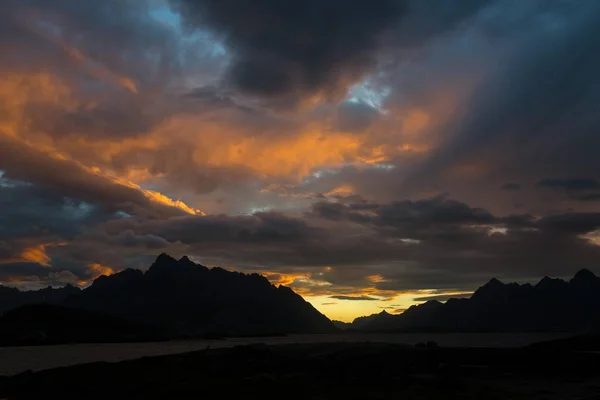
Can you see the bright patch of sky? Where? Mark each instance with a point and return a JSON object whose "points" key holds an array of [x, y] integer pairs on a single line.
{"points": [[196, 46], [166, 15], [78, 210], [365, 92], [123, 214], [10, 183]]}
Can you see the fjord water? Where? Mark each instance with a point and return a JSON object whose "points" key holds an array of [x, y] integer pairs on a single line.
{"points": [[14, 360]]}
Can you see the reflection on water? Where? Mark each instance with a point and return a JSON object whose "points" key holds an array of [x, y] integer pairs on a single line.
{"points": [[14, 360]]}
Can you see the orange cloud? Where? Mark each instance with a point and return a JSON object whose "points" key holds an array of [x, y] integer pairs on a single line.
{"points": [[97, 270], [377, 278], [15, 152], [344, 190], [35, 254], [283, 279], [162, 199], [101, 269]]}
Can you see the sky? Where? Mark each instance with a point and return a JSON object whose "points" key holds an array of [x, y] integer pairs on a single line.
{"points": [[371, 155]]}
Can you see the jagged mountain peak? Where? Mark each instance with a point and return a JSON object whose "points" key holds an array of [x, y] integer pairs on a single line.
{"points": [[584, 275], [164, 260]]}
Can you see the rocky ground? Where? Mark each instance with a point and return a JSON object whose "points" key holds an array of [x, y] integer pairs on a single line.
{"points": [[326, 371]]}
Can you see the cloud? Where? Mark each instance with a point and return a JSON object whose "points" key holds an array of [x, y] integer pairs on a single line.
{"points": [[443, 297], [361, 298], [519, 122], [24, 162], [379, 151], [311, 50], [355, 116], [300, 48]]}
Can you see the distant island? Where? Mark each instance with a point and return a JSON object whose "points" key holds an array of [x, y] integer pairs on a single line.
{"points": [[550, 305], [182, 299]]}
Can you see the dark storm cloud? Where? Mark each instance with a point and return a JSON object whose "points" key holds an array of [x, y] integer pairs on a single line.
{"points": [[129, 239], [36, 213], [427, 217], [433, 243], [534, 115], [410, 218], [295, 47], [458, 244], [260, 228], [438, 210]]}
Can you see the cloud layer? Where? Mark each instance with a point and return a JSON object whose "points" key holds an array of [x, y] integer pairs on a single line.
{"points": [[396, 149]]}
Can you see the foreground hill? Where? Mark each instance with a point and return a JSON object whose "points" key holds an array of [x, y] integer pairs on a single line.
{"points": [[181, 298], [327, 371], [551, 305]]}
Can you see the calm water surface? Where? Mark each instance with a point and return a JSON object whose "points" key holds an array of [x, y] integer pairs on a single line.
{"points": [[14, 360]]}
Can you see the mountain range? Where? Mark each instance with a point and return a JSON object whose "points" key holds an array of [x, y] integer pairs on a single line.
{"points": [[180, 298], [550, 305]]}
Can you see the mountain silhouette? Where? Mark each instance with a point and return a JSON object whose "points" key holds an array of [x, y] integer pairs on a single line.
{"points": [[550, 305], [11, 298], [44, 324], [180, 298]]}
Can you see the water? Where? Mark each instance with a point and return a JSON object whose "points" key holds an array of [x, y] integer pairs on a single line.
{"points": [[14, 360]]}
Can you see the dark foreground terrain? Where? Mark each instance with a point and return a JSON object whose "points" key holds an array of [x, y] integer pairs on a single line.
{"points": [[326, 371]]}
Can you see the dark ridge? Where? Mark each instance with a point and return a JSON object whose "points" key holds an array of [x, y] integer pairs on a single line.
{"points": [[182, 299], [584, 276], [551, 305]]}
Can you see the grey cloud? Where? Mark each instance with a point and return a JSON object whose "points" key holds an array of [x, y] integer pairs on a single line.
{"points": [[443, 297], [23, 162], [302, 48], [121, 117], [362, 298], [454, 249], [534, 115], [409, 219], [31, 214], [461, 258], [295, 48], [355, 116], [571, 223]]}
